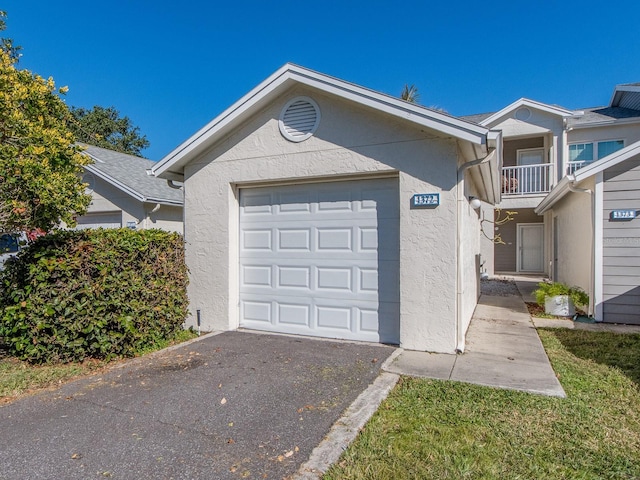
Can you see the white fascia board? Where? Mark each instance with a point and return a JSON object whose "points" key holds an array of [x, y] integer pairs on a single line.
{"points": [[425, 117], [292, 74], [556, 193], [605, 123], [525, 102], [608, 161], [562, 188]]}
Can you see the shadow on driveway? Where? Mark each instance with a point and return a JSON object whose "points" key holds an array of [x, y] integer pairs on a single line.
{"points": [[234, 405]]}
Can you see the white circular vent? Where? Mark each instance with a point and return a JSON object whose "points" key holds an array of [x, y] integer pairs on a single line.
{"points": [[523, 113], [299, 119]]}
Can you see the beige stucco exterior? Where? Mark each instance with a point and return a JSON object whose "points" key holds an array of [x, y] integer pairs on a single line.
{"points": [[351, 142], [574, 237], [107, 198]]}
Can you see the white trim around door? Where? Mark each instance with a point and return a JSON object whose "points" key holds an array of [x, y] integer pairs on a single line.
{"points": [[530, 247]]}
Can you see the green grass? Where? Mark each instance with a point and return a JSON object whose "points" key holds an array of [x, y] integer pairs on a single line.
{"points": [[429, 429], [18, 378]]}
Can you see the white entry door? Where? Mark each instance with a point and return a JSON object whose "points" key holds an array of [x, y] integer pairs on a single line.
{"points": [[531, 247], [321, 259]]}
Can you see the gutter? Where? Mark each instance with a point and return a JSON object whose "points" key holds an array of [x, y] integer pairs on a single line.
{"points": [[461, 201]]}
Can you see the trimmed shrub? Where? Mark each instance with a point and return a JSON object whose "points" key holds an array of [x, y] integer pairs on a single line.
{"points": [[99, 294]]}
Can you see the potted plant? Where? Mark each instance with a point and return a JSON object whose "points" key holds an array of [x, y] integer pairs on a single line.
{"points": [[560, 299]]}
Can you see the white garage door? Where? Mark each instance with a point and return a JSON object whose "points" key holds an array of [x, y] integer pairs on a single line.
{"points": [[100, 220], [321, 259]]}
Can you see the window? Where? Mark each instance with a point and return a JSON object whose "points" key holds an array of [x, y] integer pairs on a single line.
{"points": [[582, 154], [607, 148]]}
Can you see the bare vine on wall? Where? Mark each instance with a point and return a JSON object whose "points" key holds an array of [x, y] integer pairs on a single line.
{"points": [[500, 218]]}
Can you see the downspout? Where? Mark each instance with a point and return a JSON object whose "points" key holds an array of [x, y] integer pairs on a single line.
{"points": [[461, 200], [147, 219], [573, 188]]}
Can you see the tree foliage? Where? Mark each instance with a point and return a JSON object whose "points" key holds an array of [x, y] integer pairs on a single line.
{"points": [[103, 127], [6, 44], [40, 165], [103, 293]]}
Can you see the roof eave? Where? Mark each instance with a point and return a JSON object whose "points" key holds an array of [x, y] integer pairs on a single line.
{"points": [[117, 184], [173, 164], [525, 102]]}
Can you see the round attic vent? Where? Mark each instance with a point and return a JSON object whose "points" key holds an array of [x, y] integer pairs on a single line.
{"points": [[523, 113], [299, 119]]}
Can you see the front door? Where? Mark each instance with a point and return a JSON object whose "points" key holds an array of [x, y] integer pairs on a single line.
{"points": [[531, 247]]}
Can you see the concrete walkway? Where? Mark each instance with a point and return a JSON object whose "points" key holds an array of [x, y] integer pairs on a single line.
{"points": [[503, 350]]}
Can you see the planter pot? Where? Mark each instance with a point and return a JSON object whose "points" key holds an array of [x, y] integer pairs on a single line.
{"points": [[560, 306]]}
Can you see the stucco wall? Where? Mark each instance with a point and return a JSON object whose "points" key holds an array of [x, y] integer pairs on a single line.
{"points": [[351, 142], [470, 259], [628, 133], [106, 198], [167, 218], [575, 237]]}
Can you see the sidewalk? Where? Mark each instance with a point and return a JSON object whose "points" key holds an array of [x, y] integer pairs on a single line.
{"points": [[503, 351]]}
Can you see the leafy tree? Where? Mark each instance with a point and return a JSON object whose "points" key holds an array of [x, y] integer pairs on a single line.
{"points": [[6, 44], [40, 165], [410, 94], [103, 127]]}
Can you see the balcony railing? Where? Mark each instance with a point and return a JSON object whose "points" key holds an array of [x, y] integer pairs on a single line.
{"points": [[576, 165], [526, 179]]}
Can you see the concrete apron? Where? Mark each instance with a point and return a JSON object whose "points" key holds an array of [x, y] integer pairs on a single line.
{"points": [[503, 351]]}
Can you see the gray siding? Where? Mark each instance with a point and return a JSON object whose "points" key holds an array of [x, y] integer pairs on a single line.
{"points": [[621, 245], [505, 259]]}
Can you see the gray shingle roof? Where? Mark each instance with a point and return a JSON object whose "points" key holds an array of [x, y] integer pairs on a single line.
{"points": [[129, 173], [603, 114], [477, 118]]}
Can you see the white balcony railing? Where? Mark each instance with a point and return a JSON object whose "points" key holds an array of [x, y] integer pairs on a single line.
{"points": [[526, 179], [576, 165]]}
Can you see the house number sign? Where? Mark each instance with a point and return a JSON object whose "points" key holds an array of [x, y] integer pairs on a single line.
{"points": [[623, 214], [425, 200]]}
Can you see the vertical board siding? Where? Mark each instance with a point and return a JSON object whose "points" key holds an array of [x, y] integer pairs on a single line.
{"points": [[621, 245]]}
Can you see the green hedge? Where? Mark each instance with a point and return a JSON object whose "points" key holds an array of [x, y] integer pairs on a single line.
{"points": [[100, 294]]}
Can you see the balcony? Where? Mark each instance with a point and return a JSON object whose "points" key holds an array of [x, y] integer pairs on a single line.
{"points": [[527, 179], [576, 165]]}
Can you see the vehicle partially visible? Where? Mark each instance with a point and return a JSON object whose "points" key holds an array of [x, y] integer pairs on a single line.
{"points": [[10, 244]]}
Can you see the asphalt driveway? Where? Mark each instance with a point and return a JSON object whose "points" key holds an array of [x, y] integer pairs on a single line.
{"points": [[234, 405]]}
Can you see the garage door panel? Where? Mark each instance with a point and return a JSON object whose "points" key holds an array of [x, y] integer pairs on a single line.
{"points": [[294, 277], [312, 260], [256, 275], [298, 239], [256, 239], [293, 314]]}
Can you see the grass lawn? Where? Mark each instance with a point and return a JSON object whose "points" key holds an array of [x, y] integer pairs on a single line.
{"points": [[18, 378], [429, 429]]}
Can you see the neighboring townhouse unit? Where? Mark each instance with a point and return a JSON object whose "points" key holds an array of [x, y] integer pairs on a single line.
{"points": [[595, 218], [542, 144], [125, 195], [318, 207]]}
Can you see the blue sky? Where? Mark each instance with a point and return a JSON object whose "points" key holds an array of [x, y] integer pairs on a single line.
{"points": [[173, 66]]}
